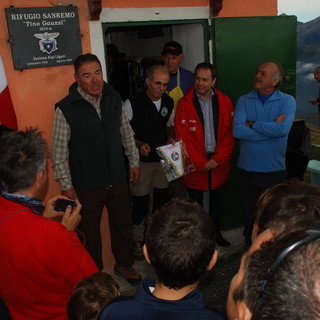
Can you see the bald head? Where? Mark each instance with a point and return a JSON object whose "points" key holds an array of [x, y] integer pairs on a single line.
{"points": [[267, 78]]}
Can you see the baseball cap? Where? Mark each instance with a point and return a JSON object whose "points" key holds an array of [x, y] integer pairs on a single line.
{"points": [[172, 47]]}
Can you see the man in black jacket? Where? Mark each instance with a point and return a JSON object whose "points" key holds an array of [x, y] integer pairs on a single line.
{"points": [[89, 130], [149, 113]]}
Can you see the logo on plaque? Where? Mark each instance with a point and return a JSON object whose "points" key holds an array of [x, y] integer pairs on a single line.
{"points": [[47, 42]]}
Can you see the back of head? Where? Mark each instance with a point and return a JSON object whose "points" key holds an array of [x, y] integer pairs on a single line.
{"points": [[282, 278], [91, 295], [180, 242], [22, 156], [84, 58], [291, 205]]}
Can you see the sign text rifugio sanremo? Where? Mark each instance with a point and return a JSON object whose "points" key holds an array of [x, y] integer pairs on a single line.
{"points": [[43, 37]]}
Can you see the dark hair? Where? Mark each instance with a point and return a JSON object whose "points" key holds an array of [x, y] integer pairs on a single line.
{"points": [[293, 290], [290, 205], [84, 58], [151, 70], [180, 242], [91, 295], [22, 156], [207, 65]]}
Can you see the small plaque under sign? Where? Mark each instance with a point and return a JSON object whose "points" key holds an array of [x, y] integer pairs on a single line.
{"points": [[43, 37]]}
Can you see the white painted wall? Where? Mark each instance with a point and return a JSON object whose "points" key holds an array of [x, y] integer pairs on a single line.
{"points": [[190, 36]]}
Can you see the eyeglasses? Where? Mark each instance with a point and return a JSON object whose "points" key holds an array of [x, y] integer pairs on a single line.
{"points": [[305, 237], [159, 83]]}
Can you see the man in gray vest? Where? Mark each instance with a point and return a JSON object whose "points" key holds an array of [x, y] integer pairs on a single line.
{"points": [[90, 128]]}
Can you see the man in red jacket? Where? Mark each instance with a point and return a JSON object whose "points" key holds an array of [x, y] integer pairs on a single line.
{"points": [[204, 122], [41, 260]]}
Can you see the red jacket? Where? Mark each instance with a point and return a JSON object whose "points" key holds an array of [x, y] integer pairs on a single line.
{"points": [[41, 262], [189, 128]]}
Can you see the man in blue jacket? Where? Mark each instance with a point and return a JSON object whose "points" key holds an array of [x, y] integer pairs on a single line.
{"points": [[262, 121]]}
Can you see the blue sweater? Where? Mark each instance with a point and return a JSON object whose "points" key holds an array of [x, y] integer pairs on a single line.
{"points": [[146, 306], [263, 147]]}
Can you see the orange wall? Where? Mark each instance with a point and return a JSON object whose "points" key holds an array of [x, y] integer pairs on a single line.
{"points": [[240, 8], [34, 92], [236, 8]]}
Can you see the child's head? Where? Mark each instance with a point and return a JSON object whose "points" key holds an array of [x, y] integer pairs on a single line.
{"points": [[180, 243], [91, 295]]}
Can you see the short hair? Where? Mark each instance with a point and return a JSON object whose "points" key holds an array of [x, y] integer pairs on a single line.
{"points": [[317, 69], [22, 156], [290, 205], [180, 242], [151, 70], [207, 65], [91, 295], [84, 58], [292, 291]]}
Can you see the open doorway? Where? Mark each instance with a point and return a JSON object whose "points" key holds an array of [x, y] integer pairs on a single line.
{"points": [[132, 48]]}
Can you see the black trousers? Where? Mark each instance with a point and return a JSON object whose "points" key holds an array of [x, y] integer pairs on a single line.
{"points": [[252, 184], [117, 201]]}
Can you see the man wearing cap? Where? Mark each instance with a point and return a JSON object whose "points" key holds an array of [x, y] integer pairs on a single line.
{"points": [[180, 79]]}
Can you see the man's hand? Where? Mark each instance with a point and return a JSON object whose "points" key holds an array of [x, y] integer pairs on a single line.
{"points": [[71, 217], [280, 118], [134, 174], [211, 164], [49, 211], [314, 101], [144, 150], [69, 193]]}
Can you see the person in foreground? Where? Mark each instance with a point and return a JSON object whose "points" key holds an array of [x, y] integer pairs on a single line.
{"points": [[284, 208], [282, 279], [180, 245], [91, 295], [41, 259]]}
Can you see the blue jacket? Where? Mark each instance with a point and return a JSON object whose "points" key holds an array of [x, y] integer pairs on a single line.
{"points": [[146, 306], [263, 147]]}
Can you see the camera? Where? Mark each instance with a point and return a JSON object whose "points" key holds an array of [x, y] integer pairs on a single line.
{"points": [[61, 204]]}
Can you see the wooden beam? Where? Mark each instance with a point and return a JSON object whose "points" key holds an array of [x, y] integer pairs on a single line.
{"points": [[215, 7], [95, 8]]}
